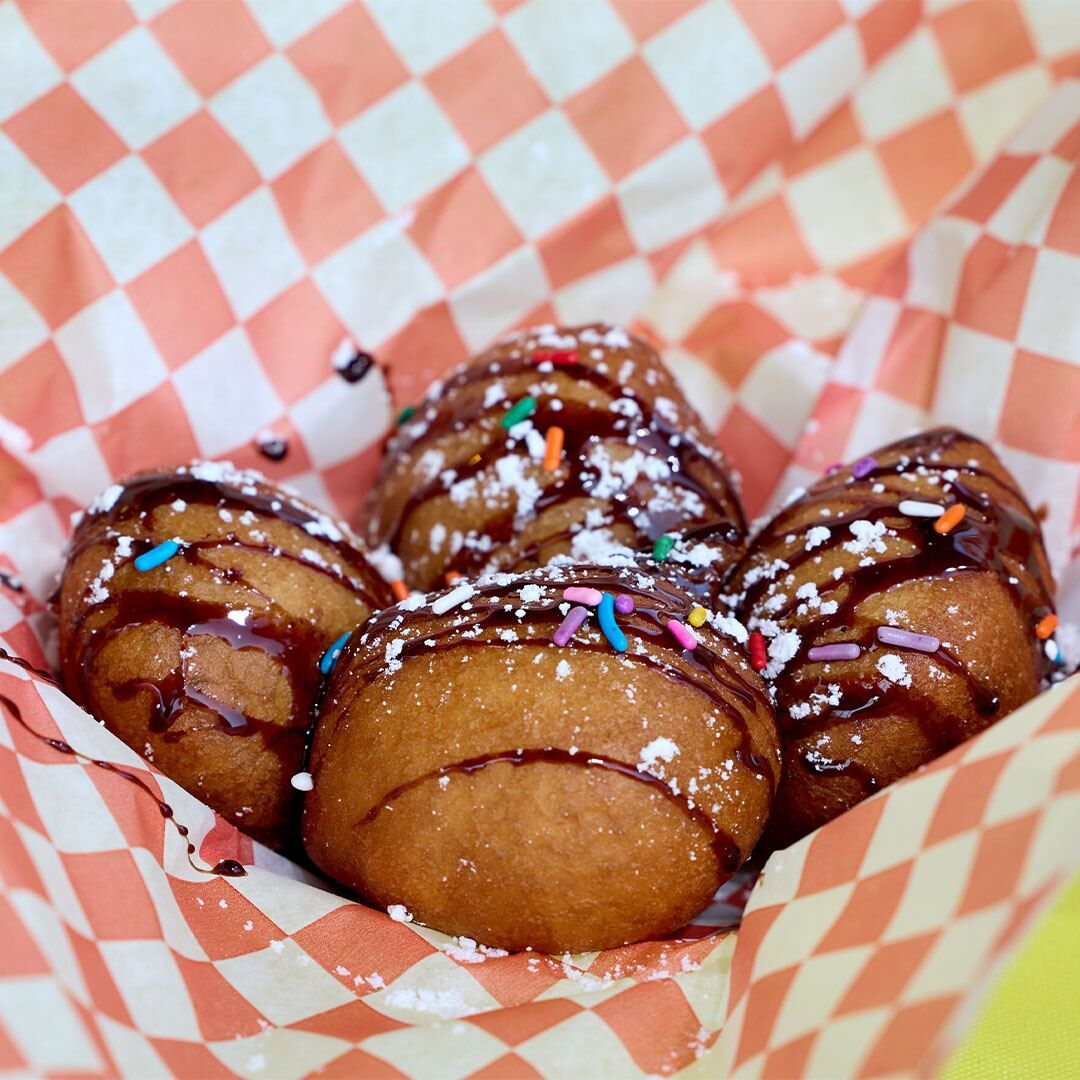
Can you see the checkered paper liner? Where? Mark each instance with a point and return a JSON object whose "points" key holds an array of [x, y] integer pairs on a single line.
{"points": [[840, 222]]}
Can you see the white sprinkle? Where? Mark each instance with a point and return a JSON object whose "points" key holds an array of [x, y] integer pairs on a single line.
{"points": [[452, 598], [399, 913], [302, 781], [914, 508]]}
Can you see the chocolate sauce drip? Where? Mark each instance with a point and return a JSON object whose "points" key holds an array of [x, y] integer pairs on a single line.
{"points": [[357, 367], [224, 868], [703, 669], [18, 661], [10, 581], [274, 448], [727, 852], [585, 427], [994, 536]]}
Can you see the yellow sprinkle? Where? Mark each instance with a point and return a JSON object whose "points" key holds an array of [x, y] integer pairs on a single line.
{"points": [[697, 615]]}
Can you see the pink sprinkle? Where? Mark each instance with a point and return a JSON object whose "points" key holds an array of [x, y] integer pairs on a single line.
{"points": [[906, 639], [574, 618], [624, 603], [576, 594], [864, 467], [682, 635], [834, 652], [834, 467]]}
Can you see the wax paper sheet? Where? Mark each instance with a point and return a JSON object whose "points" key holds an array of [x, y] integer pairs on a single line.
{"points": [[840, 219]]}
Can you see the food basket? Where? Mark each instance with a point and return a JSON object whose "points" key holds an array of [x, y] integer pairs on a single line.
{"points": [[841, 220]]}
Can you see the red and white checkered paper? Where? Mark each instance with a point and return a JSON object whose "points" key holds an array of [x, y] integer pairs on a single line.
{"points": [[842, 219]]}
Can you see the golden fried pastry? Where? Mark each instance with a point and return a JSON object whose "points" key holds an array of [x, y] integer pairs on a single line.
{"points": [[194, 611], [557, 442], [898, 607], [556, 760]]}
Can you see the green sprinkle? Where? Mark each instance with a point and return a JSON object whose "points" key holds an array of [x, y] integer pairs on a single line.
{"points": [[522, 410], [404, 415], [662, 548]]}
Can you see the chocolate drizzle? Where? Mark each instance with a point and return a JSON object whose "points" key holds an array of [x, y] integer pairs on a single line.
{"points": [[695, 469], [727, 852], [294, 645], [496, 605], [998, 534], [223, 868]]}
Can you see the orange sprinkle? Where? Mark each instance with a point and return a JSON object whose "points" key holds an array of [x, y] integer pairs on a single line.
{"points": [[400, 590], [1046, 626], [553, 452], [950, 519], [452, 576]]}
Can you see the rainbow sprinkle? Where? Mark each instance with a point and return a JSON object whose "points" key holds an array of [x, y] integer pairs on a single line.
{"points": [[569, 626], [682, 635], [399, 590], [553, 446], [864, 467], [697, 615], [404, 415], [157, 555], [950, 519], [578, 594], [329, 658], [662, 548], [624, 603], [907, 639], [520, 410], [606, 615], [1046, 626], [758, 654], [555, 356], [841, 651]]}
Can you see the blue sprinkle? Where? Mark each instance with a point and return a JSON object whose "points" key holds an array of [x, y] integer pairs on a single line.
{"points": [[157, 555], [326, 664], [606, 614]]}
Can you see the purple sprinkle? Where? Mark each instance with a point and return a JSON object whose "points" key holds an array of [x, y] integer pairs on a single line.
{"points": [[864, 467], [568, 628], [624, 603], [905, 639], [848, 651]]}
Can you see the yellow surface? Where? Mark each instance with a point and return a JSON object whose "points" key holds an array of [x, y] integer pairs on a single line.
{"points": [[1030, 1026]]}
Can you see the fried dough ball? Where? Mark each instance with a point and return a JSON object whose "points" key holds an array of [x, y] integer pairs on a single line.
{"points": [[514, 778], [194, 611], [557, 442], [905, 602]]}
